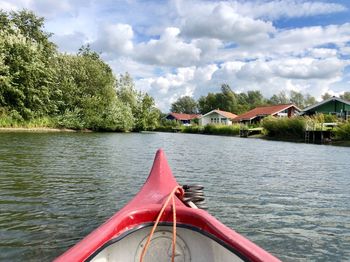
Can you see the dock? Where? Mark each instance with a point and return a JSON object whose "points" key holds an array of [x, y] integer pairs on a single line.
{"points": [[244, 131], [319, 132]]}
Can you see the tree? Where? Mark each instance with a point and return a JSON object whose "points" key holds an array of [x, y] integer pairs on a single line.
{"points": [[225, 100], [309, 100], [255, 98], [25, 64], [297, 98], [345, 96], [326, 96], [280, 98], [32, 28], [146, 115], [185, 104], [126, 90], [85, 94]]}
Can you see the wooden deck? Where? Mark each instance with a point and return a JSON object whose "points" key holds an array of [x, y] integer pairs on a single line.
{"points": [[319, 132], [245, 132]]}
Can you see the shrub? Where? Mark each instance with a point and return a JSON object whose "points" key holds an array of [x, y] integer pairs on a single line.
{"points": [[342, 131], [222, 129], [330, 118], [284, 127]]}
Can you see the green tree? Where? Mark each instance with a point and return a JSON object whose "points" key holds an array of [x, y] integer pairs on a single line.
{"points": [[297, 98], [147, 115], [85, 94], [345, 96], [309, 100], [185, 104], [143, 109], [280, 98], [32, 28], [225, 100], [326, 96], [26, 75], [255, 99]]}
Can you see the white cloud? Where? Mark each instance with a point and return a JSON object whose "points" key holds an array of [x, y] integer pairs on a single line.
{"points": [[169, 50], [9, 6], [69, 43], [286, 8], [223, 22], [114, 39], [46, 8], [307, 75], [345, 50], [301, 38], [298, 42], [307, 68]]}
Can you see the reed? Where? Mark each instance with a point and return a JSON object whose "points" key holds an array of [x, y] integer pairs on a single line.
{"points": [[289, 128], [342, 131]]}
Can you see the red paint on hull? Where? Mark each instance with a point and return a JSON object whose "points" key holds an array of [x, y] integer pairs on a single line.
{"points": [[144, 208]]}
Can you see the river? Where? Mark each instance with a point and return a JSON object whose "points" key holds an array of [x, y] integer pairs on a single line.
{"points": [[292, 199]]}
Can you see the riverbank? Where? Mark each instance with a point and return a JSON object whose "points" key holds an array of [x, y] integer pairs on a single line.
{"points": [[39, 129], [335, 142]]}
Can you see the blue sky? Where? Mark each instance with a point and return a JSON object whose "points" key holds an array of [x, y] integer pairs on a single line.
{"points": [[190, 47]]}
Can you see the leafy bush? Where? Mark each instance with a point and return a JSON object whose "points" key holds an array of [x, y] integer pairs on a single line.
{"points": [[222, 129], [71, 119], [284, 127], [330, 119], [342, 132]]}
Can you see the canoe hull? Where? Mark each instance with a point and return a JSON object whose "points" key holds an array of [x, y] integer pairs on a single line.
{"points": [[143, 210]]}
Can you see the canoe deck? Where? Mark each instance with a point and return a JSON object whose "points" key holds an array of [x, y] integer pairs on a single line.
{"points": [[191, 245]]}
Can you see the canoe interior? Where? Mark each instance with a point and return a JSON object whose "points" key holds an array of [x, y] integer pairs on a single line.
{"points": [[191, 245]]}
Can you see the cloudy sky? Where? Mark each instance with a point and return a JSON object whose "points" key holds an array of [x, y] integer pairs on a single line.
{"points": [[190, 47]]}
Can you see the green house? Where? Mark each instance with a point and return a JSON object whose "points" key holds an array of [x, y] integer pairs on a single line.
{"points": [[332, 106]]}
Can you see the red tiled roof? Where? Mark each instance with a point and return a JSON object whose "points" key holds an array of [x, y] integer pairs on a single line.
{"points": [[179, 116], [223, 113], [263, 111], [226, 114]]}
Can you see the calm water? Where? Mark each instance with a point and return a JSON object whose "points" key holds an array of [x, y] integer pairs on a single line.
{"points": [[291, 199]]}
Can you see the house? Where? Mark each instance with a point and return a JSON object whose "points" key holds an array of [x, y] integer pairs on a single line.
{"points": [[258, 113], [185, 119], [217, 117], [333, 106]]}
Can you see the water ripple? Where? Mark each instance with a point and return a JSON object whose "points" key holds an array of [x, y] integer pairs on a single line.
{"points": [[291, 199]]}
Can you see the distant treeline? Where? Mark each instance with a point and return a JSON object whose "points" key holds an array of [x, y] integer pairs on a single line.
{"points": [[238, 103], [41, 86]]}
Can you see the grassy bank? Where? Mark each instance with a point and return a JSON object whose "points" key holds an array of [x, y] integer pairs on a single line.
{"points": [[42, 122], [46, 124], [208, 129]]}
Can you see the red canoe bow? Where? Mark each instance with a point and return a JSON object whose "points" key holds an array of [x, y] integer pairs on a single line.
{"points": [[200, 236]]}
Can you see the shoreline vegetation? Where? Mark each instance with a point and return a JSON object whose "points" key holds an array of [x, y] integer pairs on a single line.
{"points": [[39, 129], [272, 128]]}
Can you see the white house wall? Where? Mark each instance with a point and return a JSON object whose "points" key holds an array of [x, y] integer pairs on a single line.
{"points": [[205, 120]]}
